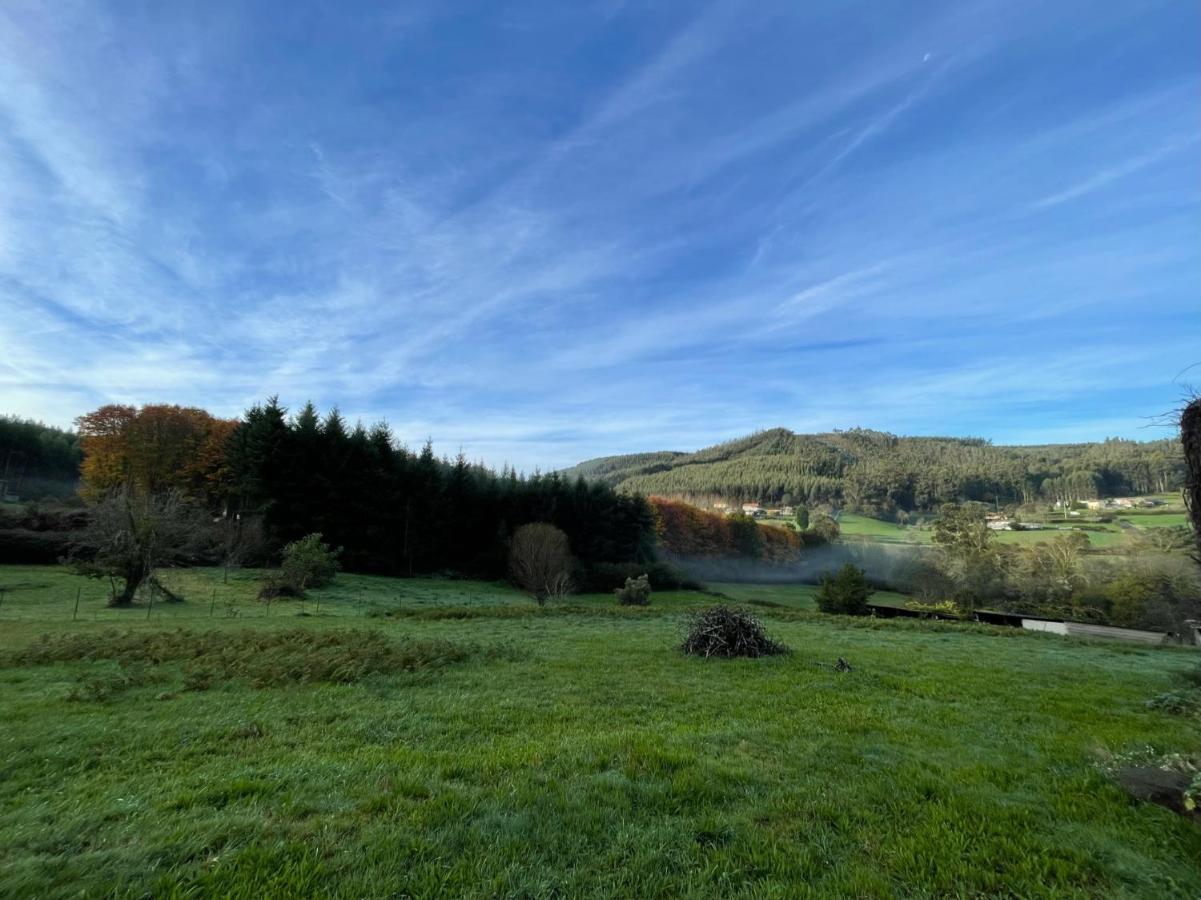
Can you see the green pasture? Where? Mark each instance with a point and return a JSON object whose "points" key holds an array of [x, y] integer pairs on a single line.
{"points": [[425, 738]]}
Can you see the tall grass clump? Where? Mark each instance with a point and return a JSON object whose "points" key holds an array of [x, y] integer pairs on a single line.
{"points": [[294, 656]]}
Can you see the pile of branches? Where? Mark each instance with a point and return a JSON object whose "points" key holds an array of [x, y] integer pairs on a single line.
{"points": [[722, 631]]}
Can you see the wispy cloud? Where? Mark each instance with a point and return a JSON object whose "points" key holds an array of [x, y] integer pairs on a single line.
{"points": [[544, 235], [1114, 173]]}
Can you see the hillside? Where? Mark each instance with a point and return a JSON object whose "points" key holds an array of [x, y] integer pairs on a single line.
{"points": [[878, 472]]}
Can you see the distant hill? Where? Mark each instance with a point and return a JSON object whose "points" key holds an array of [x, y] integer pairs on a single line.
{"points": [[877, 472]]}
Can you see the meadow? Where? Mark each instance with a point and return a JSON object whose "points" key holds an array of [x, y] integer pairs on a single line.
{"points": [[426, 737], [1102, 535]]}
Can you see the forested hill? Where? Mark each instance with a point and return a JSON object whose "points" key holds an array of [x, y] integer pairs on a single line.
{"points": [[878, 472]]}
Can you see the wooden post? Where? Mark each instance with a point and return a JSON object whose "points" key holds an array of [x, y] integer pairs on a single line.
{"points": [[213, 603], [75, 615], [150, 605]]}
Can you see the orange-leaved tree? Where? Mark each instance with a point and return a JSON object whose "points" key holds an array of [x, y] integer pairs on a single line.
{"points": [[156, 448]]}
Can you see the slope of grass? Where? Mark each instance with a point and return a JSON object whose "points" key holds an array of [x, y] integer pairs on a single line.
{"points": [[567, 752]]}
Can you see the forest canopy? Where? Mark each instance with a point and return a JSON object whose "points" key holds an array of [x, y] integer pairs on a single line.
{"points": [[880, 473]]}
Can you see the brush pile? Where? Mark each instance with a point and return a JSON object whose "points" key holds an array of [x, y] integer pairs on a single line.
{"points": [[726, 632]]}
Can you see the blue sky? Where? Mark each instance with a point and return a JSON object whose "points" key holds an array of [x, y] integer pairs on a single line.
{"points": [[548, 231]]}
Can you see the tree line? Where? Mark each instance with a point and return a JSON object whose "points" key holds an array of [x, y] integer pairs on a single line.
{"points": [[38, 460], [281, 477]]}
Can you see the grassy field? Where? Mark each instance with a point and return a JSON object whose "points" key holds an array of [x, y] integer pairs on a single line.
{"points": [[1156, 519], [856, 527], [449, 738], [790, 596]]}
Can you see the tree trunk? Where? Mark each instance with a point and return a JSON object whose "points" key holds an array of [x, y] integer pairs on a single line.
{"points": [[133, 580]]}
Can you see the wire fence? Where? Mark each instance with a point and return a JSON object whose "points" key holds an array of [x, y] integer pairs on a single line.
{"points": [[91, 604]]}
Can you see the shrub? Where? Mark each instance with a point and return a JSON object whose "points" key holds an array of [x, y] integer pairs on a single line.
{"points": [[540, 561], [604, 578], [937, 608], [726, 632], [637, 592], [309, 562], [845, 592]]}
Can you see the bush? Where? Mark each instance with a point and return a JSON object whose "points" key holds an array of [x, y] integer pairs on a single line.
{"points": [[936, 608], [637, 592], [540, 561], [845, 592], [722, 631], [21, 546], [307, 563], [822, 530], [604, 578]]}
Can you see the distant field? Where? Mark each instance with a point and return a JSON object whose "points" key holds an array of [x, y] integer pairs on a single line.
{"points": [[854, 525], [460, 741], [860, 527], [864, 527], [1156, 520]]}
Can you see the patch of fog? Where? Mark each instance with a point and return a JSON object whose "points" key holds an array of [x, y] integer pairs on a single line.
{"points": [[886, 565]]}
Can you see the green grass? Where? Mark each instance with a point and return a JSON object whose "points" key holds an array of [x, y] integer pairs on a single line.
{"points": [[791, 596], [454, 740], [1151, 519], [855, 525]]}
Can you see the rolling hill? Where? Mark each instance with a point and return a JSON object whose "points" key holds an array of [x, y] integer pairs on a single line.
{"points": [[878, 472]]}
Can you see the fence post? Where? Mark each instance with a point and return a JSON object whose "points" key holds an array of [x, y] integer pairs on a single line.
{"points": [[150, 605], [213, 603], [75, 615], [317, 611]]}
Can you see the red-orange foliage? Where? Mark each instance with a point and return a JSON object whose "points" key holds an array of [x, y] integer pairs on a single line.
{"points": [[689, 532], [158, 447], [780, 544]]}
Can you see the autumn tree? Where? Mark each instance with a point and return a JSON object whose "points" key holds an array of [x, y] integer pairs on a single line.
{"points": [[132, 533], [540, 561], [156, 448]]}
